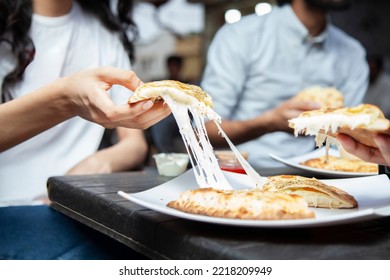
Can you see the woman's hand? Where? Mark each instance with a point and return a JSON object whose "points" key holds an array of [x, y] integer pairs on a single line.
{"points": [[83, 94], [380, 155], [86, 93]]}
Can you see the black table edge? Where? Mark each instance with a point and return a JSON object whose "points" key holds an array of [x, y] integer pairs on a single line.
{"points": [[107, 231]]}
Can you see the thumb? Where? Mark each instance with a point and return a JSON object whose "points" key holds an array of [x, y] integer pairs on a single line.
{"points": [[121, 77]]}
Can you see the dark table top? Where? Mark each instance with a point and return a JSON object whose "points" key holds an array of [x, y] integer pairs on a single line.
{"points": [[93, 200]]}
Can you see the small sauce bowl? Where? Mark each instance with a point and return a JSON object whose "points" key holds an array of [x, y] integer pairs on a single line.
{"points": [[171, 164], [227, 161]]}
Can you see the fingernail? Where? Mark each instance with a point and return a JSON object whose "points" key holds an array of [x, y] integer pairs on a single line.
{"points": [[147, 105]]}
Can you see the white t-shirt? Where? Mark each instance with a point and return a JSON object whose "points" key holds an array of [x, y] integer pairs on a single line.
{"points": [[64, 45]]}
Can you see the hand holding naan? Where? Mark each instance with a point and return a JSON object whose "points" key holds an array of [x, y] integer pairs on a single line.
{"points": [[292, 108], [380, 155]]}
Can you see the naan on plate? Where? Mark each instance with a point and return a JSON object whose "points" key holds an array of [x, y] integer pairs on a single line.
{"points": [[252, 204], [315, 193]]}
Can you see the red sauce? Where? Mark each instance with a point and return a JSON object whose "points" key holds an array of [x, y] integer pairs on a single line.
{"points": [[234, 169]]}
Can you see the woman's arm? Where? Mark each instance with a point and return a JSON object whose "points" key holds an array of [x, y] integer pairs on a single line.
{"points": [[129, 153], [27, 116], [83, 94]]}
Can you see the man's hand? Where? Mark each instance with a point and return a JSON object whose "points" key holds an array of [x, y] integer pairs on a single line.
{"points": [[292, 108]]}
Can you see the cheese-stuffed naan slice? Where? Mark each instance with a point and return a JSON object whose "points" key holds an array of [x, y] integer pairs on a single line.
{"points": [[180, 92], [253, 204], [341, 164], [316, 193], [361, 123], [327, 97]]}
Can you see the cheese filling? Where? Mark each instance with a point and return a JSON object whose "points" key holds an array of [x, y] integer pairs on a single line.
{"points": [[312, 125], [203, 160], [322, 138], [256, 178], [205, 164]]}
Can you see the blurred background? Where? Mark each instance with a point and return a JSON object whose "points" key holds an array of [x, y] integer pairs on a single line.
{"points": [[185, 28]]}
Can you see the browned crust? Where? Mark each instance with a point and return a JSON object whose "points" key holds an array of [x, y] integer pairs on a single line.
{"points": [[242, 204], [341, 164], [311, 187], [189, 89]]}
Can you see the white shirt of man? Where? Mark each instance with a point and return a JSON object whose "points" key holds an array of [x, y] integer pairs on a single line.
{"points": [[257, 63]]}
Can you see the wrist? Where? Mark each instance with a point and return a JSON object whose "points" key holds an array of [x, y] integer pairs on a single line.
{"points": [[63, 102], [266, 123], [252, 128]]}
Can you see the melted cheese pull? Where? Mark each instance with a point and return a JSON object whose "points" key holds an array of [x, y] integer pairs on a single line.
{"points": [[322, 138], [184, 99], [256, 178], [203, 160]]}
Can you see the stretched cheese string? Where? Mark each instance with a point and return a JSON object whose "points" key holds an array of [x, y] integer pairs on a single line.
{"points": [[320, 139], [258, 180], [329, 140], [205, 165]]}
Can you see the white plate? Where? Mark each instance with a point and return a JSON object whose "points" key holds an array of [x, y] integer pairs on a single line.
{"points": [[294, 162], [372, 194]]}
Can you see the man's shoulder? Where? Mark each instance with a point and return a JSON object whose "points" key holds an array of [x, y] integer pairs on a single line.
{"points": [[343, 41]]}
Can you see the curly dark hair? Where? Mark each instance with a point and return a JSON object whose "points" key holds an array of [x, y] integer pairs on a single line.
{"points": [[15, 23]]}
